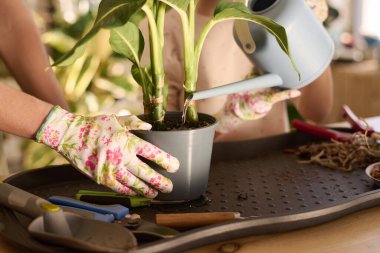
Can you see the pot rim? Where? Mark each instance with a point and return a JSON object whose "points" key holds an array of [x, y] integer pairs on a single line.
{"points": [[207, 117]]}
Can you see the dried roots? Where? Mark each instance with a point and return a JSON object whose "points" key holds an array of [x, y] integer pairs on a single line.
{"points": [[360, 152]]}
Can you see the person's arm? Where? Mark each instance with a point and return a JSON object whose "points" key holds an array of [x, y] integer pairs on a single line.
{"points": [[101, 147], [316, 99], [23, 53], [20, 113]]}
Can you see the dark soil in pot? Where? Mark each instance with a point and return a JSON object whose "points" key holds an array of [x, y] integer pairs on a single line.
{"points": [[176, 123]]}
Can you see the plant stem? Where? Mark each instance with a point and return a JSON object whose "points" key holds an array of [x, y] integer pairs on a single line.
{"points": [[146, 87], [158, 74], [161, 22], [191, 111], [160, 19], [188, 27], [198, 47], [192, 20], [188, 51]]}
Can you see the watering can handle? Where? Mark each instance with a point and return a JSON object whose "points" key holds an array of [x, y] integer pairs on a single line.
{"points": [[21, 201], [264, 81], [244, 35]]}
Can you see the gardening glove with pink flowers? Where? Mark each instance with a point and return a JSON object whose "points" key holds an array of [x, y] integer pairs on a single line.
{"points": [[250, 105], [104, 149]]}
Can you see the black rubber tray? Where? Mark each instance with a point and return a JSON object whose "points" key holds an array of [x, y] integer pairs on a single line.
{"points": [[256, 178]]}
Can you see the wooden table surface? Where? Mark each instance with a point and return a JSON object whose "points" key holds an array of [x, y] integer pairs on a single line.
{"points": [[356, 232]]}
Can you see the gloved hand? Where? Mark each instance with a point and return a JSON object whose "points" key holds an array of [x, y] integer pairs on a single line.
{"points": [[250, 105], [102, 148]]}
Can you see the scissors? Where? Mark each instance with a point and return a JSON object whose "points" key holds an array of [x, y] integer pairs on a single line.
{"points": [[142, 229]]}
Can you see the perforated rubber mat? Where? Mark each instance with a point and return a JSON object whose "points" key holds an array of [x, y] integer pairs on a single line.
{"points": [[256, 178]]}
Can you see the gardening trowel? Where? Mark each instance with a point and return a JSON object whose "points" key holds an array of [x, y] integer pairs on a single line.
{"points": [[310, 46], [52, 225]]}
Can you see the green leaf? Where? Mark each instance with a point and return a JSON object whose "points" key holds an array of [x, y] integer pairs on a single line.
{"points": [[71, 56], [128, 41], [178, 5], [227, 11], [111, 13], [142, 75], [137, 75], [222, 5], [138, 17], [124, 82]]}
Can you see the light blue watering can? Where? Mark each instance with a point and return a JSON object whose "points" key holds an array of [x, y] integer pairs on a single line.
{"points": [[311, 47]]}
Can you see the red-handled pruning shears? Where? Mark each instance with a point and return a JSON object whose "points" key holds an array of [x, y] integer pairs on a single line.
{"points": [[321, 131], [358, 124]]}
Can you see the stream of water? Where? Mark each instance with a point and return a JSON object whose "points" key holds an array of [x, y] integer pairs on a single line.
{"points": [[185, 107]]}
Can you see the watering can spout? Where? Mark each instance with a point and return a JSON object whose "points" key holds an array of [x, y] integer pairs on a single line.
{"points": [[264, 81]]}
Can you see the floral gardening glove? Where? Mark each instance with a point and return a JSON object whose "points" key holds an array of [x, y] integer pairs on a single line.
{"points": [[250, 105], [102, 148], [319, 8]]}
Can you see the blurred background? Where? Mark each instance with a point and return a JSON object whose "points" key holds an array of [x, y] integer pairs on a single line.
{"points": [[100, 81]]}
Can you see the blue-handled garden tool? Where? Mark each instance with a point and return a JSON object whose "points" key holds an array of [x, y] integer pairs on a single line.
{"points": [[142, 229]]}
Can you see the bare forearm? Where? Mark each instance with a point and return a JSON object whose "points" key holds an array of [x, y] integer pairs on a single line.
{"points": [[22, 51], [316, 100], [20, 113]]}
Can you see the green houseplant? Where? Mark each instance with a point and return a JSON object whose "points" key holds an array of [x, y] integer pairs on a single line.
{"points": [[122, 17]]}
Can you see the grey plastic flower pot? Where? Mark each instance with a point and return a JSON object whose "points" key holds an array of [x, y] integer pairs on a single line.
{"points": [[193, 148]]}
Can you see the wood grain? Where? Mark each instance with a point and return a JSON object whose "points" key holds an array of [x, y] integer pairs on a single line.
{"points": [[193, 220]]}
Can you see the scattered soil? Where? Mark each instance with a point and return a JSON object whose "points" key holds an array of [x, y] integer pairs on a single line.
{"points": [[376, 172]]}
